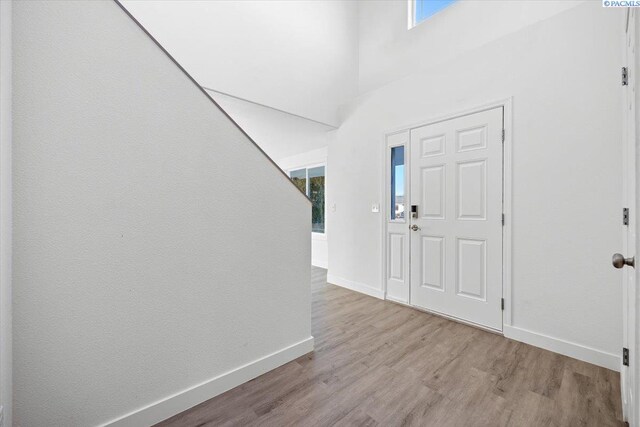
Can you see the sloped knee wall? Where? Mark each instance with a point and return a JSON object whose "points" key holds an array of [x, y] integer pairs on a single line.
{"points": [[155, 247]]}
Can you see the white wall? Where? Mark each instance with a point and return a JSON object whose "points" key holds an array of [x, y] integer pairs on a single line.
{"points": [[293, 141], [278, 133], [278, 53], [319, 242], [387, 51], [140, 270], [564, 76], [5, 212]]}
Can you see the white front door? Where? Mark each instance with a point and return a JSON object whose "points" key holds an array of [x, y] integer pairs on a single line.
{"points": [[629, 370], [456, 238]]}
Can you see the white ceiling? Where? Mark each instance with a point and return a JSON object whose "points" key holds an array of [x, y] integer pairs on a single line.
{"points": [[296, 56]]}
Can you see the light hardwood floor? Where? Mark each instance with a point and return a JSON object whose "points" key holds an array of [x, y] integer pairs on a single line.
{"points": [[381, 364]]}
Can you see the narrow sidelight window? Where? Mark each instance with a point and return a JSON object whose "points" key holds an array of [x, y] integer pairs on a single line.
{"points": [[397, 182]]}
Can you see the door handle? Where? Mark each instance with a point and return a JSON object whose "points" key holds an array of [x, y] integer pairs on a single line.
{"points": [[620, 261], [414, 227]]}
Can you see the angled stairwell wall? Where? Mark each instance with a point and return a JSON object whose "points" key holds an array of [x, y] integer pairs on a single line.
{"points": [[160, 258]]}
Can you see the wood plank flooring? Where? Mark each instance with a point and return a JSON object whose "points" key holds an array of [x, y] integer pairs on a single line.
{"points": [[381, 364]]}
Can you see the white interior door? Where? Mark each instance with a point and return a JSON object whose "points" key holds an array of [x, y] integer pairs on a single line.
{"points": [[456, 238], [629, 370]]}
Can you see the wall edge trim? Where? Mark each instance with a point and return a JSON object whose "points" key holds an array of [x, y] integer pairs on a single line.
{"points": [[564, 347], [203, 90], [355, 286], [174, 404]]}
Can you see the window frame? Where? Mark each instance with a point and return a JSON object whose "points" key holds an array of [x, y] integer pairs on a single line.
{"points": [[306, 167], [387, 184], [411, 14]]}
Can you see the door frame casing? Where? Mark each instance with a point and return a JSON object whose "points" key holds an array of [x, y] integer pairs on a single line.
{"points": [[630, 375], [507, 195]]}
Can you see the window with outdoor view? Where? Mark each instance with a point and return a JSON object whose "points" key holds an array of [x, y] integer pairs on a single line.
{"points": [[397, 182], [425, 9], [311, 181]]}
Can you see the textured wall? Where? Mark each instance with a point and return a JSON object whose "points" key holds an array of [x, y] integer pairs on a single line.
{"points": [[5, 210], [155, 246]]}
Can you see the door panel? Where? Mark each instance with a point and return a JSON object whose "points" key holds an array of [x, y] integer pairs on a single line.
{"points": [[433, 260], [456, 250], [471, 260], [397, 256], [397, 230], [432, 146], [472, 190], [433, 192]]}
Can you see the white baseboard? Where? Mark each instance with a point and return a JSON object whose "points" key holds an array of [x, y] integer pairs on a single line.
{"points": [[185, 399], [557, 345], [355, 286], [567, 348]]}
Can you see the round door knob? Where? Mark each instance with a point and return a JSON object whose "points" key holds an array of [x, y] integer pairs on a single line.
{"points": [[620, 261], [414, 227]]}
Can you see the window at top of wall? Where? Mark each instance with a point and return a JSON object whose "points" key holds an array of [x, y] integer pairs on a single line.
{"points": [[421, 10]]}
